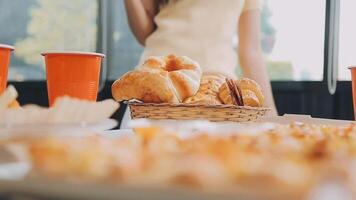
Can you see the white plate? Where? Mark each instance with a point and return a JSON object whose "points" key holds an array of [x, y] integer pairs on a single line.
{"points": [[114, 134], [56, 129]]}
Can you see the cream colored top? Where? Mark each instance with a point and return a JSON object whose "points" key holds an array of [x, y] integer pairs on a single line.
{"points": [[200, 29]]}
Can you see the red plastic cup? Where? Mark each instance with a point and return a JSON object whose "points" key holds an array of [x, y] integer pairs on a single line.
{"points": [[353, 78], [5, 53], [74, 74]]}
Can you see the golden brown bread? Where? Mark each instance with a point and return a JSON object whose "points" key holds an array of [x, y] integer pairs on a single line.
{"points": [[250, 98], [249, 84], [145, 86], [203, 99], [295, 157], [167, 79], [251, 93], [208, 90]]}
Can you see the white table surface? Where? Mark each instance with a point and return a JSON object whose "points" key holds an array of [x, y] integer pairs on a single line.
{"points": [[119, 133]]}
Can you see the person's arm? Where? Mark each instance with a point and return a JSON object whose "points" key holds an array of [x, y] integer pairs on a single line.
{"points": [[250, 54], [140, 14]]}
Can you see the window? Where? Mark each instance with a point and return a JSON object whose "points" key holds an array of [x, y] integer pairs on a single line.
{"points": [[293, 38], [124, 51], [347, 40], [34, 26]]}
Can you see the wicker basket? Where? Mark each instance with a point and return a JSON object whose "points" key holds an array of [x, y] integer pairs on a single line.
{"points": [[215, 113]]}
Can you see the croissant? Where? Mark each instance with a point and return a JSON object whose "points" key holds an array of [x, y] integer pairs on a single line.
{"points": [[243, 92], [169, 79], [208, 90]]}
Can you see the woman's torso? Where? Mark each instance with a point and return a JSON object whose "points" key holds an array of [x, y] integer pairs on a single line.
{"points": [[200, 29]]}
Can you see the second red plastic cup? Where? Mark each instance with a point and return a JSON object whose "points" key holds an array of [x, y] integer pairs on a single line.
{"points": [[5, 54], [74, 74], [353, 78]]}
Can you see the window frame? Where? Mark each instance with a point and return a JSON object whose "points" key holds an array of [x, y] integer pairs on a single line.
{"points": [[331, 45]]}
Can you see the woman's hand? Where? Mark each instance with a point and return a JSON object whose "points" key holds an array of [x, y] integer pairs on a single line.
{"points": [[250, 54], [140, 14]]}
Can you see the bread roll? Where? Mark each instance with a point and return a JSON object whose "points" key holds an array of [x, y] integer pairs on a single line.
{"points": [[250, 98], [210, 83], [208, 90], [145, 86], [225, 94], [167, 79], [203, 99], [249, 84], [251, 93]]}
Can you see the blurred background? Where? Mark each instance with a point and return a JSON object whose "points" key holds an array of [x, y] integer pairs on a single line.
{"points": [[298, 40]]}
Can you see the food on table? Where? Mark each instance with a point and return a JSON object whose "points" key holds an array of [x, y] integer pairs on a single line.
{"points": [[208, 90], [168, 79], [64, 110], [242, 92], [291, 159], [251, 85], [90, 158], [68, 110], [178, 79], [233, 93]]}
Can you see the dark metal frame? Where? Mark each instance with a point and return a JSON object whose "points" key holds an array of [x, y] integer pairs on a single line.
{"points": [[101, 41], [331, 44]]}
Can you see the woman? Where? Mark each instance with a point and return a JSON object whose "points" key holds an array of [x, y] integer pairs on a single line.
{"points": [[203, 30]]}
